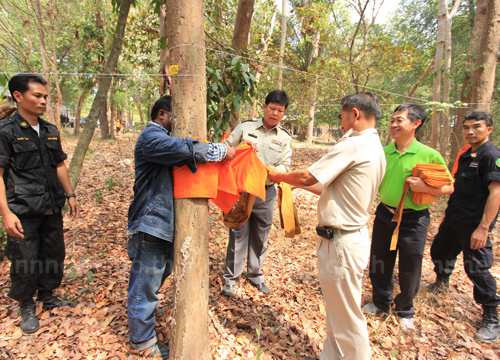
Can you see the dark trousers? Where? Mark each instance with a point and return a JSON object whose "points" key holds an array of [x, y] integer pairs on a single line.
{"points": [[411, 244], [37, 260], [251, 240], [448, 243]]}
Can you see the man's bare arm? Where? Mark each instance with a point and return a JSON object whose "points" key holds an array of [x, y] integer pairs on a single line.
{"points": [[480, 235], [11, 222]]}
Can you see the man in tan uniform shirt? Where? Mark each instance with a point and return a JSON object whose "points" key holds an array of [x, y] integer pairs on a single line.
{"points": [[273, 146], [347, 178]]}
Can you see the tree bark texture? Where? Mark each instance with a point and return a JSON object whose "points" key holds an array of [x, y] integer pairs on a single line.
{"points": [[242, 23], [282, 45], [310, 117], [45, 67], [59, 101], [190, 332], [88, 130], [78, 114], [103, 119], [165, 79], [477, 88]]}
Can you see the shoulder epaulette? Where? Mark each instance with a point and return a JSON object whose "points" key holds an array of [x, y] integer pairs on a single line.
{"points": [[285, 130], [247, 120], [6, 121]]}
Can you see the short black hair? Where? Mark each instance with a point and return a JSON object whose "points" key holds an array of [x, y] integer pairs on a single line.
{"points": [[415, 112], [366, 102], [163, 103], [21, 83], [278, 96], [479, 115]]}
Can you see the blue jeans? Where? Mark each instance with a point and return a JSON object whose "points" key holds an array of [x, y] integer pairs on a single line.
{"points": [[152, 262]]}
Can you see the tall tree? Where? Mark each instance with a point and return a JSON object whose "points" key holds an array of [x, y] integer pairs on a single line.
{"points": [[83, 142], [478, 85], [54, 118], [242, 25], [190, 334], [443, 46], [282, 44]]}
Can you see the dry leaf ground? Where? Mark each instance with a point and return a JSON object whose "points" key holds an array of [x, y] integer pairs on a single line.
{"points": [[288, 324]]}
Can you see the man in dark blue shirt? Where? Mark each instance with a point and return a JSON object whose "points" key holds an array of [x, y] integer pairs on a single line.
{"points": [[151, 218], [471, 215]]}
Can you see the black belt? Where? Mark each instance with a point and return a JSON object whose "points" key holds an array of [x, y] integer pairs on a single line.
{"points": [[392, 210]]}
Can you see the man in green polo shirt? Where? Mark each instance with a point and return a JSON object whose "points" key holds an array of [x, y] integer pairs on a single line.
{"points": [[402, 155]]}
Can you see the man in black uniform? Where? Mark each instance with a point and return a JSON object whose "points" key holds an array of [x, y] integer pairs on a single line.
{"points": [[471, 215], [34, 184]]}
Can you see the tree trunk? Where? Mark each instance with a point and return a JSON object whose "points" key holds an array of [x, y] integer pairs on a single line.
{"points": [[45, 67], [282, 45], [103, 119], [190, 333], [78, 114], [58, 102], [483, 76], [84, 140], [137, 100], [264, 41], [478, 85], [165, 79], [417, 84], [436, 93], [310, 117], [242, 23], [240, 40], [111, 103]]}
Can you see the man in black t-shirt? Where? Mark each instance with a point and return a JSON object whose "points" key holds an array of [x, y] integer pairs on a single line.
{"points": [[471, 215]]}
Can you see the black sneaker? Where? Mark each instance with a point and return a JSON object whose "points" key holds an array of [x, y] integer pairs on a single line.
{"points": [[51, 302], [262, 288], [157, 349], [228, 291], [29, 322]]}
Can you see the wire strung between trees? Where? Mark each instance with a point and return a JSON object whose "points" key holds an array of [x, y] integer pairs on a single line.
{"points": [[180, 76]]}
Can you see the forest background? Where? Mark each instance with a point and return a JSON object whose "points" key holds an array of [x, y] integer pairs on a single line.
{"points": [[106, 64]]}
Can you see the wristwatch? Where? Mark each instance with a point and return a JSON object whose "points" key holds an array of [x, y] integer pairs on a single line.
{"points": [[70, 195]]}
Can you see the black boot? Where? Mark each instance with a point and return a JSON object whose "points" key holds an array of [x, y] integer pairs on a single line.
{"points": [[29, 322], [490, 328], [442, 284], [50, 301]]}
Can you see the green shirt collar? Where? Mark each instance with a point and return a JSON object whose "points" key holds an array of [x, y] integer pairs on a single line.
{"points": [[414, 147]]}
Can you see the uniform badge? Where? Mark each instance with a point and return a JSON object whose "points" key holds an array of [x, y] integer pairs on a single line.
{"points": [[497, 162], [473, 155], [276, 142], [24, 123], [474, 164]]}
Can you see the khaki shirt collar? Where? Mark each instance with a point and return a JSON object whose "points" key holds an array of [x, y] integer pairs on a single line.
{"points": [[260, 123]]}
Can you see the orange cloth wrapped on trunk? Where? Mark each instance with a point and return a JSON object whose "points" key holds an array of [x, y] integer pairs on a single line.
{"points": [[223, 182]]}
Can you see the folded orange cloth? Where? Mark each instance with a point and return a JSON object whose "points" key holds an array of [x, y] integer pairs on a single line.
{"points": [[435, 175], [288, 212]]}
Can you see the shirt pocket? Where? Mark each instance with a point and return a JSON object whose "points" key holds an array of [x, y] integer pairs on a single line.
{"points": [[471, 184], [53, 148], [26, 155], [275, 152]]}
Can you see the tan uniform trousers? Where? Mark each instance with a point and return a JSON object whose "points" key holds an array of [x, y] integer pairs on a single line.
{"points": [[341, 263]]}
